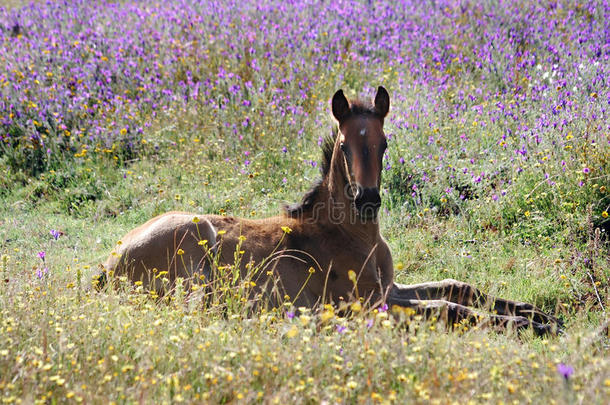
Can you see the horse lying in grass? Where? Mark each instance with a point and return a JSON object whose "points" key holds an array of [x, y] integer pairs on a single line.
{"points": [[323, 250]]}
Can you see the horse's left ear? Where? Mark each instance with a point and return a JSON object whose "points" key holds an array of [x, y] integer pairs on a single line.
{"points": [[382, 102], [340, 106]]}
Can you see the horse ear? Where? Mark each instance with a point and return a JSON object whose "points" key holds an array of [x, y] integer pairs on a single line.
{"points": [[382, 102], [340, 106]]}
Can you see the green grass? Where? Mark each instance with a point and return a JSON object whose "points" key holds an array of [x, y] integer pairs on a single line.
{"points": [[61, 343]]}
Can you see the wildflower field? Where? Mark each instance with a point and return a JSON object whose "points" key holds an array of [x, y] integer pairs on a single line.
{"points": [[497, 174]]}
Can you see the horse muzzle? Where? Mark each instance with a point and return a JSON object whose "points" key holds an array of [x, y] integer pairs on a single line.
{"points": [[368, 202]]}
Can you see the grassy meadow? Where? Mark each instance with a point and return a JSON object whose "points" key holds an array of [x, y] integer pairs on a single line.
{"points": [[497, 174]]}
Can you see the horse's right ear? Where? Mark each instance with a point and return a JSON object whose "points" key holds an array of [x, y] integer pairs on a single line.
{"points": [[340, 106]]}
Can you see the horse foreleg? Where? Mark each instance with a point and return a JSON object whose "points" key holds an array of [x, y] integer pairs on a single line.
{"points": [[453, 314], [465, 294]]}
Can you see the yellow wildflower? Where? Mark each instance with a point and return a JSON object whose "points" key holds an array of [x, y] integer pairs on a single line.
{"points": [[292, 332], [327, 315]]}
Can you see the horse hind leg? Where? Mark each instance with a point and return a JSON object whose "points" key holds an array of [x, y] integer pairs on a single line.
{"points": [[194, 265]]}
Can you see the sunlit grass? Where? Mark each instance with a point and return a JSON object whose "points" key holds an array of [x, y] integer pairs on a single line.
{"points": [[122, 345]]}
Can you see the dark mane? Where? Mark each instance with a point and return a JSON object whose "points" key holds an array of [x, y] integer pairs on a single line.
{"points": [[297, 209], [328, 144]]}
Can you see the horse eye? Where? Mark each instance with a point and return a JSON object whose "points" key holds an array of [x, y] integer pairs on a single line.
{"points": [[343, 147]]}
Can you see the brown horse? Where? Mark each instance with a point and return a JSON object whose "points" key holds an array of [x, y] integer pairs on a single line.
{"points": [[323, 250]]}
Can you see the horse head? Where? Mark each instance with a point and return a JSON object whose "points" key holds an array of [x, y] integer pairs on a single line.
{"points": [[359, 148]]}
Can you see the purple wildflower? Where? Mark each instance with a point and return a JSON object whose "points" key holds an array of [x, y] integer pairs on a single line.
{"points": [[40, 273], [290, 314], [42, 255], [341, 329], [55, 233], [565, 370]]}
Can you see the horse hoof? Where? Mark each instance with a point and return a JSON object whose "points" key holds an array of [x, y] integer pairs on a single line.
{"points": [[547, 329]]}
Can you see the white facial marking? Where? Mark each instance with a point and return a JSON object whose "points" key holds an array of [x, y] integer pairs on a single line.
{"points": [[363, 132]]}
